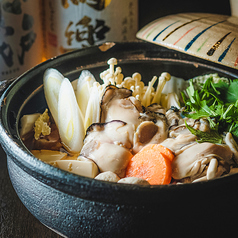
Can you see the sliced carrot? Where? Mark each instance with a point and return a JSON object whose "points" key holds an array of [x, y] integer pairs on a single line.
{"points": [[152, 163], [164, 151]]}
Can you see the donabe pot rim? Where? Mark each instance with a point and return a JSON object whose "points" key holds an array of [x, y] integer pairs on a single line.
{"points": [[88, 188]]}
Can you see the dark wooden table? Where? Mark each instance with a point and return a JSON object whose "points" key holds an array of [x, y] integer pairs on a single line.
{"points": [[15, 220]]}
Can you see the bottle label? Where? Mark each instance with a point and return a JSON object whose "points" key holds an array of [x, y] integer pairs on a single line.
{"points": [[20, 37], [73, 24]]}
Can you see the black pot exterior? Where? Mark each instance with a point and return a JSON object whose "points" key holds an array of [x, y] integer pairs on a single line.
{"points": [[73, 216], [76, 206]]}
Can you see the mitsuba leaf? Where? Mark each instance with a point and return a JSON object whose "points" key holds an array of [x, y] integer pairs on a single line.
{"points": [[213, 136], [232, 93], [218, 103], [229, 92], [234, 131]]}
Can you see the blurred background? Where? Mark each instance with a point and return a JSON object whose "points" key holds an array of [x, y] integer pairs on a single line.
{"points": [[33, 31], [150, 10]]}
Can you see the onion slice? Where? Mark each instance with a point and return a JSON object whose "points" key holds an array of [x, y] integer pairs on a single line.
{"points": [[92, 114], [70, 122], [85, 83], [52, 80]]}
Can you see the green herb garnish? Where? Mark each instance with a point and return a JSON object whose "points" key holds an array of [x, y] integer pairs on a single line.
{"points": [[213, 136], [217, 102]]}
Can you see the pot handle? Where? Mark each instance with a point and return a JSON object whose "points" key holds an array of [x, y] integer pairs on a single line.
{"points": [[4, 84]]}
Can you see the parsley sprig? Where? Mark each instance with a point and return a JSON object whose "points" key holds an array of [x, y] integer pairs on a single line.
{"points": [[217, 102]]}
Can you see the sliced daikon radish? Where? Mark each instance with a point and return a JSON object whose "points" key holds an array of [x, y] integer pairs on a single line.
{"points": [[70, 122], [85, 83], [52, 81], [74, 84], [83, 168], [49, 155], [175, 85], [93, 108], [28, 122]]}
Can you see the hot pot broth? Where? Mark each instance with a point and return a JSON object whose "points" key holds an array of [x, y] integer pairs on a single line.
{"points": [[134, 133]]}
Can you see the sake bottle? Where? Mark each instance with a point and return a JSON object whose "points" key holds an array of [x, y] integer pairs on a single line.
{"points": [[75, 24], [21, 42]]}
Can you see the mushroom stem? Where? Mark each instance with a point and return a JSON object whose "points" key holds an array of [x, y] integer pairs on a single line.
{"points": [[112, 62], [164, 77], [146, 101]]}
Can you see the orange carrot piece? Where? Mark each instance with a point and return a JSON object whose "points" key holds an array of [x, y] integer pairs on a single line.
{"points": [[164, 151], [152, 163]]}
